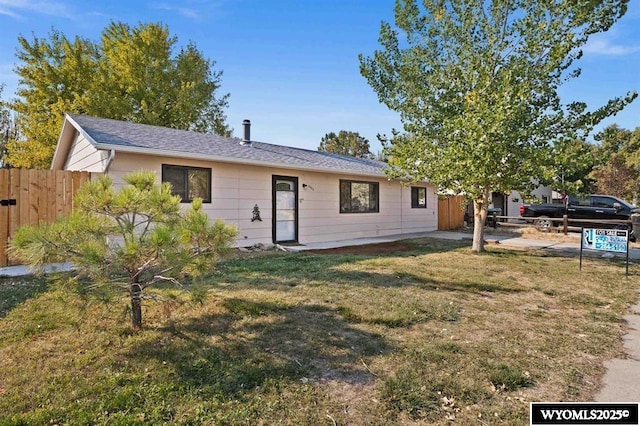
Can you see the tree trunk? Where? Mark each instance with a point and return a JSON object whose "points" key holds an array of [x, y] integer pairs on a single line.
{"points": [[136, 305], [480, 209]]}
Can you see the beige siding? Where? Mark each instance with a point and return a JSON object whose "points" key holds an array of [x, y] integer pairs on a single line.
{"points": [[413, 219], [84, 157], [237, 189]]}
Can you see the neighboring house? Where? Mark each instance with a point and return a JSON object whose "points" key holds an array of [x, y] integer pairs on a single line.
{"points": [[509, 205], [273, 193]]}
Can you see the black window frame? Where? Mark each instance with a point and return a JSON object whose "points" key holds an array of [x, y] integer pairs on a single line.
{"points": [[375, 186], [185, 170], [415, 197]]}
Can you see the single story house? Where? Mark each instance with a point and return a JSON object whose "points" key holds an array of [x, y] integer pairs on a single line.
{"points": [[272, 193]]}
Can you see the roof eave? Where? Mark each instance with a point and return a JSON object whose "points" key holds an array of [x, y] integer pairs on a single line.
{"points": [[62, 147], [222, 159], [65, 141]]}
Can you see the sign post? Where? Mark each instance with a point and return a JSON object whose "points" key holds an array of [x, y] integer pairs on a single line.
{"points": [[610, 240]]}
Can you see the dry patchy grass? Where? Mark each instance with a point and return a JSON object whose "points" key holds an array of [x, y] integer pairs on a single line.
{"points": [[422, 331]]}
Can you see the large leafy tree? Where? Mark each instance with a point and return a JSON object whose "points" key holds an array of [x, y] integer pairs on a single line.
{"points": [[346, 143], [128, 239], [612, 140], [476, 85], [617, 178], [570, 166], [618, 169], [131, 74], [9, 130], [633, 149]]}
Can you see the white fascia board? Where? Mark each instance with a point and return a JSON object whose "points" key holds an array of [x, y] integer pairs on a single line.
{"points": [[65, 144], [82, 132], [55, 153]]}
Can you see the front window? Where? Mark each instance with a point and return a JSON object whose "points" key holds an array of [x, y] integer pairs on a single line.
{"points": [[418, 197], [188, 182], [358, 197]]}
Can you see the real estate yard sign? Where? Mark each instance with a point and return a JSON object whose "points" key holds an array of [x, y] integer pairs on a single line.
{"points": [[609, 240]]}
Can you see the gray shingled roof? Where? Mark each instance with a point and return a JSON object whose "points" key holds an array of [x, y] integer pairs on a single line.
{"points": [[132, 137]]}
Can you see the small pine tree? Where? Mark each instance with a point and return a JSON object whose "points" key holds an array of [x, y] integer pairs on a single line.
{"points": [[131, 238]]}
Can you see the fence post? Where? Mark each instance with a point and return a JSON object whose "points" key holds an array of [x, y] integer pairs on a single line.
{"points": [[495, 220], [565, 224]]}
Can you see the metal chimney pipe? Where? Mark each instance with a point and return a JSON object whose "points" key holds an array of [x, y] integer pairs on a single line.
{"points": [[247, 132]]}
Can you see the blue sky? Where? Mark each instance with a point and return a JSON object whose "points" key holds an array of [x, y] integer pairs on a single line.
{"points": [[291, 66]]}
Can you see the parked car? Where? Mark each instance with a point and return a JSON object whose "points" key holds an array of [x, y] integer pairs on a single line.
{"points": [[593, 207]]}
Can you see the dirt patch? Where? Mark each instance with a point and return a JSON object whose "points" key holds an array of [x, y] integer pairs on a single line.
{"points": [[368, 249]]}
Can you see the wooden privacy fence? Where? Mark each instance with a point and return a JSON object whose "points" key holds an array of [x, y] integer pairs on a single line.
{"points": [[450, 213], [28, 197]]}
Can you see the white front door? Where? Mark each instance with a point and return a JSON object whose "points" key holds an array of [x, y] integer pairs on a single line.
{"points": [[285, 211]]}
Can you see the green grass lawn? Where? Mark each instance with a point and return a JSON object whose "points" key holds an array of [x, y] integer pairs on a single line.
{"points": [[427, 333]]}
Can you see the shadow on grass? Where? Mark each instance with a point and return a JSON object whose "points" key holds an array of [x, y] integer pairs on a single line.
{"points": [[467, 286], [401, 248], [16, 290], [253, 344], [374, 270]]}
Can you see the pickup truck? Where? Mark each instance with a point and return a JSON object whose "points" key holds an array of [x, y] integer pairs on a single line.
{"points": [[594, 207]]}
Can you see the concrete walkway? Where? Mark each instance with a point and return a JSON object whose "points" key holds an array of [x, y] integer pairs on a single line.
{"points": [[21, 270], [621, 383], [572, 247], [506, 240]]}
